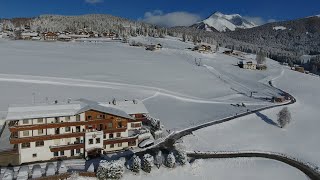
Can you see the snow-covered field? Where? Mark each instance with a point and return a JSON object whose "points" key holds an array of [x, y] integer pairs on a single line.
{"points": [[174, 89], [259, 132], [177, 92]]}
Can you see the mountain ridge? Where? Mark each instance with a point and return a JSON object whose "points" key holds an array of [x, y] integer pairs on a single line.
{"points": [[223, 22]]}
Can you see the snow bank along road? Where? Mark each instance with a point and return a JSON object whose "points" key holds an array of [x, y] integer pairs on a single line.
{"points": [[309, 170]]}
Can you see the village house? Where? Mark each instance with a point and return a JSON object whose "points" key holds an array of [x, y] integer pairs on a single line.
{"points": [[30, 36], [247, 65], [76, 129], [50, 36], [202, 48], [153, 47], [64, 38]]}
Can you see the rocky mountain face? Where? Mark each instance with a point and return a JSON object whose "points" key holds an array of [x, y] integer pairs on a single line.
{"points": [[222, 23]]}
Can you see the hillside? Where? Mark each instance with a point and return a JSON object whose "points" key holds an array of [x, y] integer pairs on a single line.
{"points": [[301, 36]]}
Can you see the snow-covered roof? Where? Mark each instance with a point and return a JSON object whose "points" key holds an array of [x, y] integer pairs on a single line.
{"points": [[78, 36], [130, 107], [122, 109], [31, 34], [42, 111], [63, 36]]}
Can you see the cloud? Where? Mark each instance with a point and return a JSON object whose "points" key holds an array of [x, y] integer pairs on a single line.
{"points": [[94, 1], [258, 20], [172, 19]]}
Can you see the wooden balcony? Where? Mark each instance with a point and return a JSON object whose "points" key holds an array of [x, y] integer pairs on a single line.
{"points": [[66, 147], [44, 138], [119, 140]]}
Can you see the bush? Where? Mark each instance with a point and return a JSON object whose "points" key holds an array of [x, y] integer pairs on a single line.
{"points": [[110, 170]]}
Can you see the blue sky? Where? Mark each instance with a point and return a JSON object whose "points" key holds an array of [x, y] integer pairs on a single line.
{"points": [[263, 10]]}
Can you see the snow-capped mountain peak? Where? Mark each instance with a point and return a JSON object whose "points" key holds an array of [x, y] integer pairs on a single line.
{"points": [[222, 22]]}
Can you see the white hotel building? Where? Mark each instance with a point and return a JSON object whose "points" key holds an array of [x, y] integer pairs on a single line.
{"points": [[60, 131]]}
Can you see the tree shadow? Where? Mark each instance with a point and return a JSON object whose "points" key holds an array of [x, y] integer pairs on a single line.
{"points": [[266, 119]]}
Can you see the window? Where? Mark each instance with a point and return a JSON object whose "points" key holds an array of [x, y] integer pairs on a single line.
{"points": [[67, 129], [34, 155], [119, 124], [25, 121], [40, 120], [78, 129], [111, 145], [67, 118], [39, 143], [111, 136], [118, 134], [61, 153], [25, 145], [55, 154], [104, 136], [99, 116], [40, 131], [78, 151], [25, 133], [132, 125], [89, 117], [119, 144], [78, 118], [90, 141], [110, 125], [98, 141], [56, 119]]}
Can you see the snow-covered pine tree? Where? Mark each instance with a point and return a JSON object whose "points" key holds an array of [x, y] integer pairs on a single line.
{"points": [[158, 160], [147, 163], [171, 160], [110, 170], [135, 164], [284, 117], [181, 157]]}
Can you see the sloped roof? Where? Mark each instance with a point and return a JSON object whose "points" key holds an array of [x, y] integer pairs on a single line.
{"points": [[130, 107], [108, 110], [121, 109]]}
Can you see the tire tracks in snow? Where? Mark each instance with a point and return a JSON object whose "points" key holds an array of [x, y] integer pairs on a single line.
{"points": [[111, 85]]}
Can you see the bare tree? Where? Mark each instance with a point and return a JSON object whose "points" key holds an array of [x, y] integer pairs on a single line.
{"points": [[184, 37], [261, 57], [284, 117]]}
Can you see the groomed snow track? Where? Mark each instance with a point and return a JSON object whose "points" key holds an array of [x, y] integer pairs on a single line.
{"points": [[311, 171]]}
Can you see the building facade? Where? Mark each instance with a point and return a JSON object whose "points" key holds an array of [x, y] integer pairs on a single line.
{"points": [[60, 131]]}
